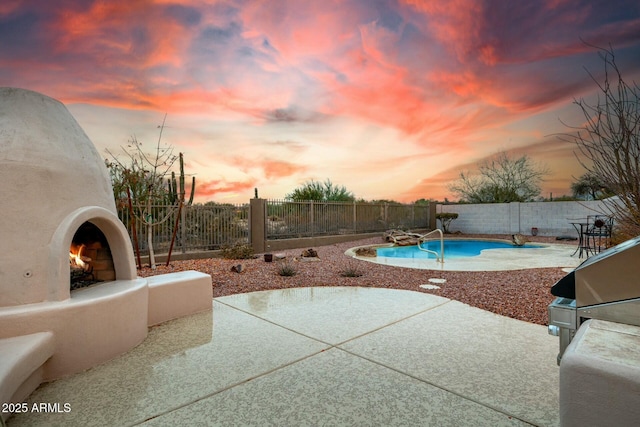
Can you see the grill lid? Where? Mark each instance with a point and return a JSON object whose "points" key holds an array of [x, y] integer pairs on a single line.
{"points": [[565, 287], [612, 275]]}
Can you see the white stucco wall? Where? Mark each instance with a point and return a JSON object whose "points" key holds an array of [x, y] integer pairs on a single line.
{"points": [[551, 218]]}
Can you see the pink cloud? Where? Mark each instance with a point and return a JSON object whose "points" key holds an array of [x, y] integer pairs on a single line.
{"points": [[272, 169], [453, 79], [299, 31], [209, 190], [9, 6], [279, 169], [133, 34]]}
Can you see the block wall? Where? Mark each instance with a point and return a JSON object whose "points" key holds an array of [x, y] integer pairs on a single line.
{"points": [[551, 218]]}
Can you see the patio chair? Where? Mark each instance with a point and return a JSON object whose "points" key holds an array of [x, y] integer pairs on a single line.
{"points": [[598, 234]]}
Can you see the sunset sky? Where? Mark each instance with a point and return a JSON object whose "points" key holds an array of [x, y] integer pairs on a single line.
{"points": [[388, 98]]}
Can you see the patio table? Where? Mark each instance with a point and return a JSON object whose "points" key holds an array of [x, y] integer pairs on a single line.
{"points": [[581, 228]]}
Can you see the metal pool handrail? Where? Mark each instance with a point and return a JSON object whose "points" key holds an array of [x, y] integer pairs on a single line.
{"points": [[438, 258]]}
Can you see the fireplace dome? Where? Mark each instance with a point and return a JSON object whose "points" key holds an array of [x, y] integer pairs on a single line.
{"points": [[41, 138], [53, 181]]}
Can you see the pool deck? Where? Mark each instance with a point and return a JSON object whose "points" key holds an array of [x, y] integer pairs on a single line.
{"points": [[550, 255], [321, 356]]}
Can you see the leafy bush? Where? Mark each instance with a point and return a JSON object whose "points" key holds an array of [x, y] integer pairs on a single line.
{"points": [[321, 191]]}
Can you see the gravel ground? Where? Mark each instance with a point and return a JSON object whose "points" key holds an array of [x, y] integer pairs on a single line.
{"points": [[519, 294]]}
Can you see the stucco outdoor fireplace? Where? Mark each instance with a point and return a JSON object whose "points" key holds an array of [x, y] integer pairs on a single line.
{"points": [[70, 297]]}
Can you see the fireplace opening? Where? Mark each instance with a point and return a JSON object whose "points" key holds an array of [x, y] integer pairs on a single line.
{"points": [[90, 259]]}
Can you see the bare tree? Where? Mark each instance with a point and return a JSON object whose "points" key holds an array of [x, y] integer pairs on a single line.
{"points": [[141, 178], [609, 143], [501, 179]]}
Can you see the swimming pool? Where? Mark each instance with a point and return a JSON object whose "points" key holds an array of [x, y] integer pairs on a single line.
{"points": [[507, 257], [453, 248]]}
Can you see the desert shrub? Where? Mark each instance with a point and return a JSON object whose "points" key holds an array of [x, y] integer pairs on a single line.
{"points": [[238, 252], [445, 219], [286, 269], [351, 271]]}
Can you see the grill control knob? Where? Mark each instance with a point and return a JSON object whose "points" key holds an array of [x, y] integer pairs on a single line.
{"points": [[554, 330]]}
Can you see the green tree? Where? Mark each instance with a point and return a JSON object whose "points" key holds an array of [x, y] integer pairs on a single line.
{"points": [[608, 142], [590, 187], [501, 179], [321, 191]]}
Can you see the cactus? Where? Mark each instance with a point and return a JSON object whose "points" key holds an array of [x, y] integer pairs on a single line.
{"points": [[172, 195], [181, 177], [175, 193], [193, 190]]}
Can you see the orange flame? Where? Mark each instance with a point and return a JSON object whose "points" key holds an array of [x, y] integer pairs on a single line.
{"points": [[76, 258]]}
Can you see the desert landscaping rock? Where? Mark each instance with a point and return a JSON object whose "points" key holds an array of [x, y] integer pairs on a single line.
{"points": [[401, 238], [518, 239], [309, 253], [367, 252], [519, 294]]}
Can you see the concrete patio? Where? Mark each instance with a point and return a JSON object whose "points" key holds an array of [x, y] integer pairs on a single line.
{"points": [[320, 356]]}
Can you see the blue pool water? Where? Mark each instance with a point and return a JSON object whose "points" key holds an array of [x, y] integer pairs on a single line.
{"points": [[454, 248]]}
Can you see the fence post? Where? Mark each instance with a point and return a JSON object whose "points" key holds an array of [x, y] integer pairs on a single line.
{"points": [[386, 214], [183, 228], [258, 225], [311, 217], [431, 216], [355, 219], [413, 215]]}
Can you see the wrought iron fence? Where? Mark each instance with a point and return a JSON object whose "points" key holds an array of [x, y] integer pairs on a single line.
{"points": [[291, 219], [213, 226], [201, 227]]}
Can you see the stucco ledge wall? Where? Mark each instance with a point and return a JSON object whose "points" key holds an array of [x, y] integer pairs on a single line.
{"points": [[95, 325]]}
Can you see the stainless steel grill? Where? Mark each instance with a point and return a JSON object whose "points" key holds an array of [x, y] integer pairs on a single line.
{"points": [[606, 286]]}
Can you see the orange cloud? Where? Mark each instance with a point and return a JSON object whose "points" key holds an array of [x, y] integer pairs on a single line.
{"points": [[271, 168], [419, 79], [299, 31], [280, 169], [215, 188]]}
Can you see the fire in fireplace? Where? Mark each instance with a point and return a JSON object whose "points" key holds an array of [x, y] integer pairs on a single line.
{"points": [[90, 259]]}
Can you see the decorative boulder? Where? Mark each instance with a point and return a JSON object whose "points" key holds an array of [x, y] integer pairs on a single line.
{"points": [[518, 239], [309, 253], [367, 252], [401, 238]]}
